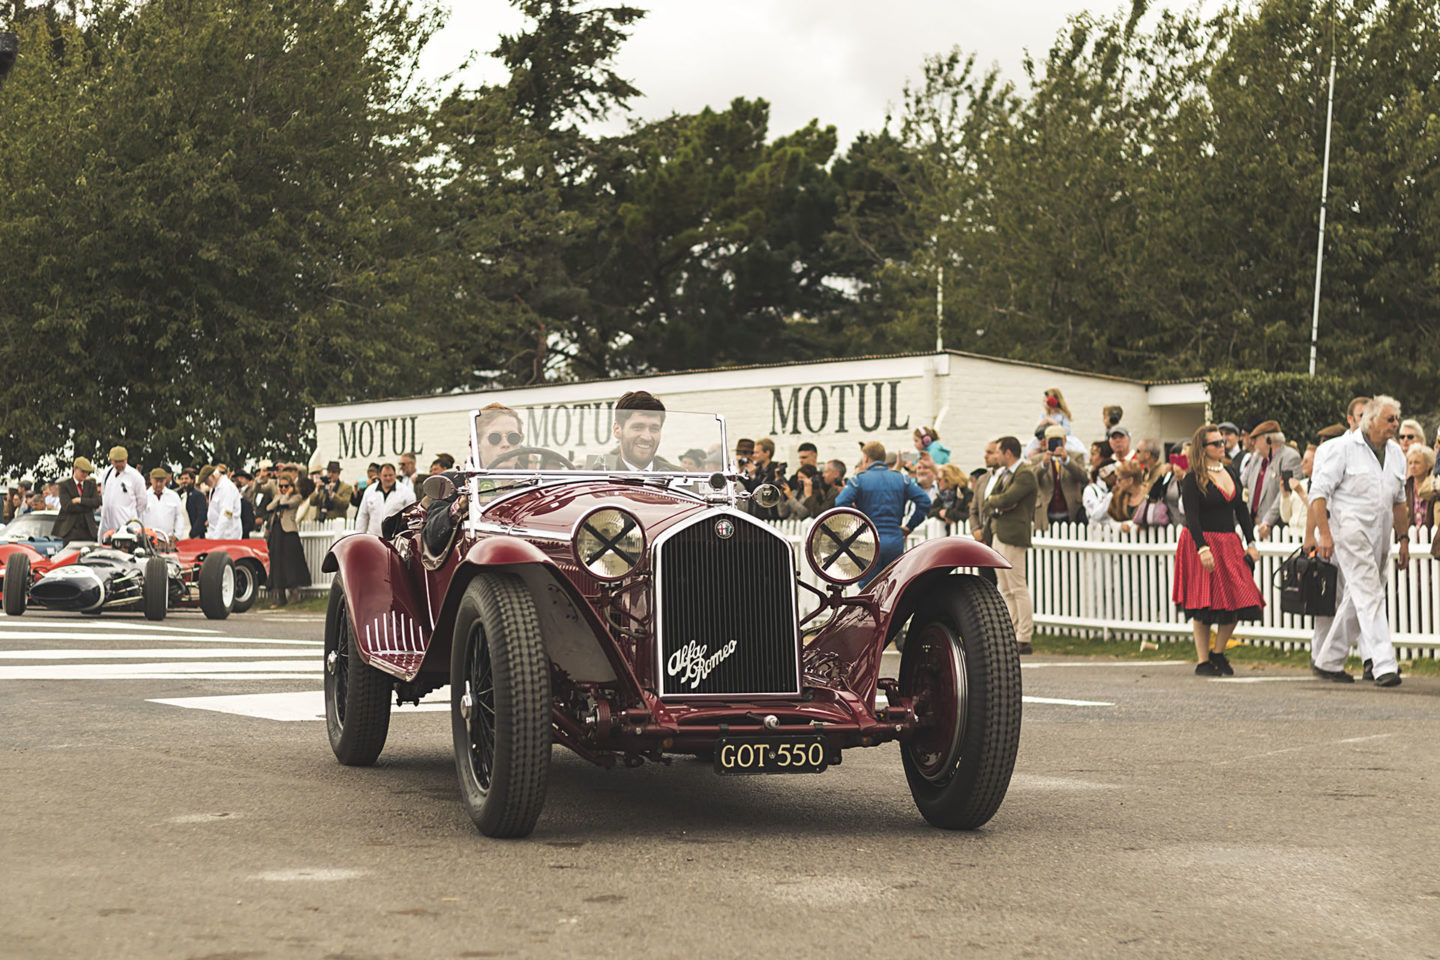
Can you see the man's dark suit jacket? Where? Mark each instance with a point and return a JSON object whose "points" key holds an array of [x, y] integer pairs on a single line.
{"points": [[77, 520]]}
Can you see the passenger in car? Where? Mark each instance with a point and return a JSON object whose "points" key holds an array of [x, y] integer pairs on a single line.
{"points": [[639, 423]]}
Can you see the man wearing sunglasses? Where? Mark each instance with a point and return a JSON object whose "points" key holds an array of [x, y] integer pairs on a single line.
{"points": [[1357, 500]]}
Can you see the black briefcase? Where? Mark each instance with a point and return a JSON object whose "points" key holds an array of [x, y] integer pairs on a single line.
{"points": [[1307, 585]]}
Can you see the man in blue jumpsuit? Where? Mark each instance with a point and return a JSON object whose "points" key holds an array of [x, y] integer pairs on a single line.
{"points": [[882, 494]]}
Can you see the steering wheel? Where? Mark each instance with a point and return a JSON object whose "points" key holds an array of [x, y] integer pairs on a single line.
{"points": [[547, 456]]}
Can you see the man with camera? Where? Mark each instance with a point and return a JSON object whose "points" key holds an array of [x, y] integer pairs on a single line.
{"points": [[761, 468], [1060, 481], [332, 496]]}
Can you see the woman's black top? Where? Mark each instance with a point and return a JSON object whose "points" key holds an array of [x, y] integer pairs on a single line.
{"points": [[1212, 513]]}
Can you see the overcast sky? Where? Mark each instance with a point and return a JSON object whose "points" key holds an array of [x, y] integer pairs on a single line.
{"points": [[841, 61]]}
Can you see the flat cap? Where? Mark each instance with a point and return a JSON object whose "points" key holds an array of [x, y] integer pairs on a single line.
{"points": [[82, 463], [1333, 431], [1264, 428], [1227, 425], [159, 473], [118, 454], [205, 473]]}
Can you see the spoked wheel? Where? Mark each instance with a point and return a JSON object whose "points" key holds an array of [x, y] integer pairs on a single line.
{"points": [[247, 585], [357, 696], [962, 668], [500, 706]]}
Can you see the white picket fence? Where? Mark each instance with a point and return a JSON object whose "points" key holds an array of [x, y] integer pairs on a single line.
{"points": [[1118, 585]]}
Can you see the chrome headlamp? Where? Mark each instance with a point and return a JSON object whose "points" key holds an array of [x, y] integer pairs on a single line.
{"points": [[609, 543], [842, 545]]}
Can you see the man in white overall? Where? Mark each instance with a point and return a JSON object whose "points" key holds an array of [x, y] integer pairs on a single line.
{"points": [[1350, 630], [1361, 483], [123, 493], [223, 519]]}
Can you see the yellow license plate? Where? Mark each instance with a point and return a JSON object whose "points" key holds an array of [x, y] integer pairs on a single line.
{"points": [[773, 755]]}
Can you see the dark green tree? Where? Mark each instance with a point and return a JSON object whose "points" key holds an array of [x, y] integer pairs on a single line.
{"points": [[210, 220]]}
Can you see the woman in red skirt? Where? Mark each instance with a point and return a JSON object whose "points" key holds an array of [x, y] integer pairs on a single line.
{"points": [[1214, 584]]}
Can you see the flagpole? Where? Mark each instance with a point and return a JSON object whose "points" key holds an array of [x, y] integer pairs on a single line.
{"points": [[1324, 189]]}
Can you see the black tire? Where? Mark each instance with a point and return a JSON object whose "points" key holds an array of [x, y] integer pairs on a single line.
{"points": [[249, 575], [17, 583], [961, 645], [156, 592], [357, 696], [217, 585], [500, 705]]}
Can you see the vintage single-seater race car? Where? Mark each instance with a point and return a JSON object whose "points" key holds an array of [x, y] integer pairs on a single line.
{"points": [[250, 559], [134, 568], [630, 616]]}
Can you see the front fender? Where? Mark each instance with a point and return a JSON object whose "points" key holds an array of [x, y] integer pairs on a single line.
{"points": [[853, 641], [576, 638], [386, 622]]}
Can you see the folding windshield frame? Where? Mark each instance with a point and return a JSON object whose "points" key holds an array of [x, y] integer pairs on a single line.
{"points": [[728, 465]]}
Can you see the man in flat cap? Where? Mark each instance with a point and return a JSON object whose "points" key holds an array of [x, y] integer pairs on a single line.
{"points": [[123, 492], [165, 512], [79, 499], [1272, 463]]}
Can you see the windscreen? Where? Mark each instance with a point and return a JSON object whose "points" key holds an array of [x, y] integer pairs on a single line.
{"points": [[597, 437]]}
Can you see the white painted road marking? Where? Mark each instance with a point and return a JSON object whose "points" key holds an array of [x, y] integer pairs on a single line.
{"points": [[132, 637], [301, 705], [175, 653], [157, 671], [1068, 703], [72, 626]]}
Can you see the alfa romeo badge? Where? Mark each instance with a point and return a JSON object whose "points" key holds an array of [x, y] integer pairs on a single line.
{"points": [[724, 529]]}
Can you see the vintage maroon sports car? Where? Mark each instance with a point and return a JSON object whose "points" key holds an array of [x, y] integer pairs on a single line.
{"points": [[631, 616]]}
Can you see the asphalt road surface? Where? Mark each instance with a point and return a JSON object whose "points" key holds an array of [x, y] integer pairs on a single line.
{"points": [[168, 791]]}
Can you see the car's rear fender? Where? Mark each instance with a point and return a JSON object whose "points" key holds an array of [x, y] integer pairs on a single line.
{"points": [[192, 551], [576, 639], [386, 621], [852, 642]]}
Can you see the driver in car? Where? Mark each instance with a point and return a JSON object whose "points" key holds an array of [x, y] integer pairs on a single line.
{"points": [[499, 429], [639, 422]]}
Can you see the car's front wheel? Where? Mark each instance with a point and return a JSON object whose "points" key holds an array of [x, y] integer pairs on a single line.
{"points": [[357, 696], [156, 590], [961, 666], [17, 583], [500, 705]]}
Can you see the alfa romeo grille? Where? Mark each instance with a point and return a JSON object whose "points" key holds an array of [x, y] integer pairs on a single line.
{"points": [[726, 610]]}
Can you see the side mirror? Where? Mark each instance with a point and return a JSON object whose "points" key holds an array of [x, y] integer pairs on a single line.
{"points": [[767, 495], [438, 487]]}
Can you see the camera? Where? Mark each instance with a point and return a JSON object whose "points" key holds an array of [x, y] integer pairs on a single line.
{"points": [[1055, 444], [1285, 476]]}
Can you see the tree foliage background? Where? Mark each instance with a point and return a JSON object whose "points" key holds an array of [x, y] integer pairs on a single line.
{"points": [[214, 216]]}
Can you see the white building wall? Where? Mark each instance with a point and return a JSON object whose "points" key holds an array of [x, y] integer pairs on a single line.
{"points": [[968, 399]]}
